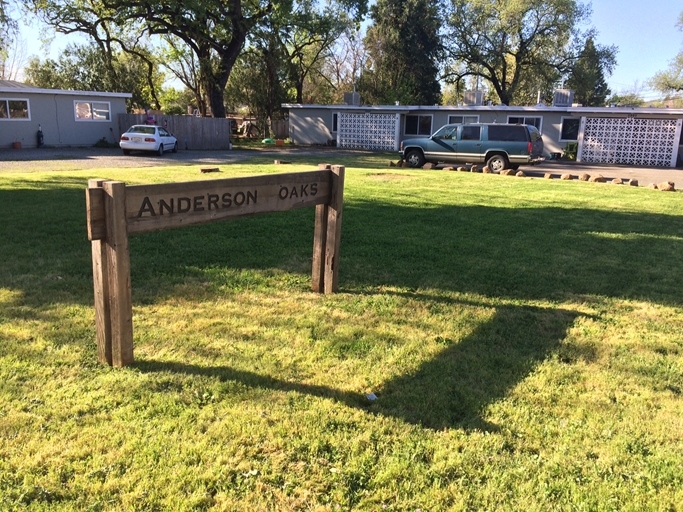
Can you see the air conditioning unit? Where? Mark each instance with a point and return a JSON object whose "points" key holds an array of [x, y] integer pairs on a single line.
{"points": [[473, 98], [352, 98], [563, 98]]}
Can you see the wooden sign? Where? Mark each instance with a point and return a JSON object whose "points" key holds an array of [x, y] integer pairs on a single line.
{"points": [[115, 211]]}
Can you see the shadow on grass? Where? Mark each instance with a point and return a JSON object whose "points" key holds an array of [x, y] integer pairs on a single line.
{"points": [[450, 391], [543, 253]]}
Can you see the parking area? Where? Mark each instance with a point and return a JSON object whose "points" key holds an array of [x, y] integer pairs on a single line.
{"points": [[95, 158]]}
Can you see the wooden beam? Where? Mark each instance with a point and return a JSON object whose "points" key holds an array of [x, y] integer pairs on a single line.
{"points": [[319, 240], [334, 223], [94, 200], [118, 273]]}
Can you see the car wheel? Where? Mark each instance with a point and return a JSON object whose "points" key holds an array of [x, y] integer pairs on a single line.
{"points": [[415, 158], [160, 149], [497, 163], [126, 151], [175, 147]]}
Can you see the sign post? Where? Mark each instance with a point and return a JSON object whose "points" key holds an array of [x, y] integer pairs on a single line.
{"points": [[115, 211]]}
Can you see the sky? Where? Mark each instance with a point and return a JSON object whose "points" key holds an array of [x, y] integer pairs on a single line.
{"points": [[644, 32]]}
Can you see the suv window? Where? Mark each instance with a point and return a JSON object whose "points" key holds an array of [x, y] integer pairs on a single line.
{"points": [[471, 132], [507, 133]]}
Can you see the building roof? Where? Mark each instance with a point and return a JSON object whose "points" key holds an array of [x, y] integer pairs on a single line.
{"points": [[577, 111], [13, 87]]}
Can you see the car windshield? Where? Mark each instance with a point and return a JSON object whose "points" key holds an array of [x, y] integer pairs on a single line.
{"points": [[446, 132], [148, 130]]}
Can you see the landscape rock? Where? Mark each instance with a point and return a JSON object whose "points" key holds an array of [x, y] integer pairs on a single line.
{"points": [[632, 182], [450, 168], [474, 168], [617, 181], [486, 170], [598, 179], [666, 186], [548, 176], [584, 177], [506, 172], [652, 186], [520, 174], [566, 177], [429, 165], [462, 169]]}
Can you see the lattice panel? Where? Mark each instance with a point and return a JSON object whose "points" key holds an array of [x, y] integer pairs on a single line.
{"points": [[630, 141], [367, 131]]}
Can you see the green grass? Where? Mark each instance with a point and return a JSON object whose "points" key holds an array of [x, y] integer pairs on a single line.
{"points": [[524, 338]]}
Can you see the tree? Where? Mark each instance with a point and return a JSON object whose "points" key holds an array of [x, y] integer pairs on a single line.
{"points": [[215, 30], [86, 68], [671, 80], [404, 48], [306, 38], [626, 99], [107, 28], [343, 65], [260, 79], [513, 45], [8, 29], [587, 77], [179, 59]]}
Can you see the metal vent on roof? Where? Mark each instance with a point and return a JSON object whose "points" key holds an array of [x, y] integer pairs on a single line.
{"points": [[563, 98], [473, 98], [352, 98]]}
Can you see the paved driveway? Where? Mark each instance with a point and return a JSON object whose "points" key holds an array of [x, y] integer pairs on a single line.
{"points": [[93, 158]]}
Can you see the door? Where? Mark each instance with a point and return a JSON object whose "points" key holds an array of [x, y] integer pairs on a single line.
{"points": [[469, 144]]}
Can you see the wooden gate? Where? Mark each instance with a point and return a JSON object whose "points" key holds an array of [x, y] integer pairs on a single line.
{"points": [[115, 211]]}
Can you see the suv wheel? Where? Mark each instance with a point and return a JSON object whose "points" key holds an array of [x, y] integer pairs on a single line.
{"points": [[498, 163], [415, 158]]}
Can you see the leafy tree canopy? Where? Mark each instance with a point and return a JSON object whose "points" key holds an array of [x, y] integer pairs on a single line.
{"points": [[404, 50], [86, 68], [510, 44], [671, 80], [587, 77]]}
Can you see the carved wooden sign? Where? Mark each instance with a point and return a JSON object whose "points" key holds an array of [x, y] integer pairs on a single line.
{"points": [[115, 210]]}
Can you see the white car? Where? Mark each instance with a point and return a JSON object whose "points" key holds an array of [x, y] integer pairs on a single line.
{"points": [[144, 137]]}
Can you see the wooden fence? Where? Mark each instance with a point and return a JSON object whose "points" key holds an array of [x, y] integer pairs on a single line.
{"points": [[192, 132], [199, 132]]}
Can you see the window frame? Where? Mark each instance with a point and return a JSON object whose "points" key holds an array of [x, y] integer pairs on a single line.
{"points": [[92, 118], [578, 121], [9, 111], [540, 121], [335, 122], [450, 119], [419, 117]]}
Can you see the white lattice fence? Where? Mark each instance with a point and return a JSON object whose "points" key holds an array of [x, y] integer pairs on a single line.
{"points": [[368, 131], [630, 141]]}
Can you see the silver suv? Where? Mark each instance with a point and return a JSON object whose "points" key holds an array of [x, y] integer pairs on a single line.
{"points": [[500, 146]]}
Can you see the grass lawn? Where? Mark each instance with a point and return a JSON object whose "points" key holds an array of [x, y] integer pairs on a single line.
{"points": [[524, 339]]}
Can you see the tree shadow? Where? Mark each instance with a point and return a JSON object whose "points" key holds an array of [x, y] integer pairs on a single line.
{"points": [[450, 391]]}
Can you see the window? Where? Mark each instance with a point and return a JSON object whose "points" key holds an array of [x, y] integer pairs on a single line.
{"points": [[14, 109], [570, 128], [418, 125], [507, 133], [92, 110], [463, 119], [471, 133], [533, 121], [335, 121]]}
